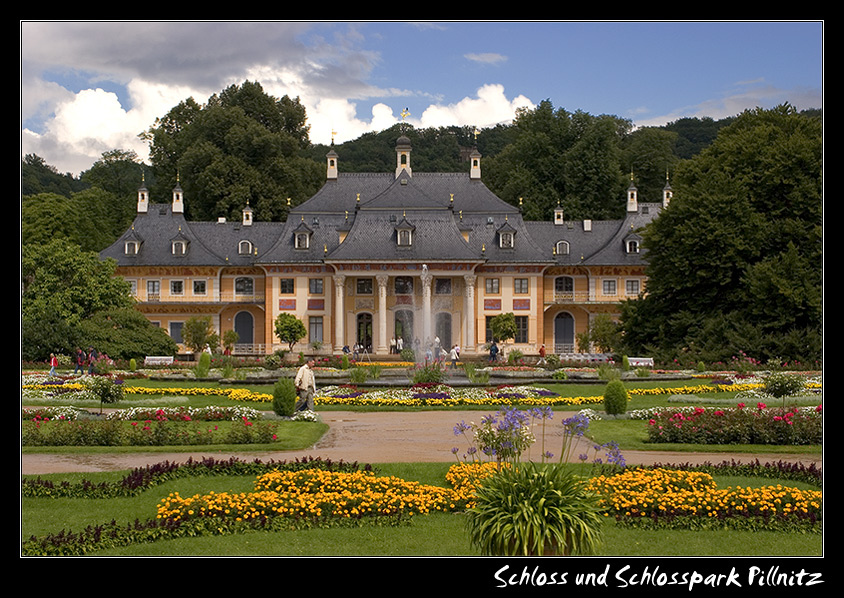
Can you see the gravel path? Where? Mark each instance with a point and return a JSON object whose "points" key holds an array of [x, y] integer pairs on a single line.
{"points": [[377, 437]]}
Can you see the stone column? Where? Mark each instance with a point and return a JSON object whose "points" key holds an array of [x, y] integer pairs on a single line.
{"points": [[339, 311], [382, 314], [427, 335], [469, 310]]}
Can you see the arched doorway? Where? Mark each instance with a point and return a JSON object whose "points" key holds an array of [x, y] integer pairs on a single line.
{"points": [[364, 331], [563, 333], [244, 325], [442, 328]]}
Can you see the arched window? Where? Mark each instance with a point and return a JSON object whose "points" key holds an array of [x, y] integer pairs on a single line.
{"points": [[562, 247], [244, 248]]}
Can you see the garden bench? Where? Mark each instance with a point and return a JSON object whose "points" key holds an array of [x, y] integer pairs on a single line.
{"points": [[158, 360], [640, 361]]}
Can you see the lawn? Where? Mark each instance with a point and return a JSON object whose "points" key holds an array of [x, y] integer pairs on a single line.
{"points": [[438, 534]]}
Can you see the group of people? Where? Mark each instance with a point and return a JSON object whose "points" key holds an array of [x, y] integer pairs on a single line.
{"points": [[82, 358], [396, 345]]}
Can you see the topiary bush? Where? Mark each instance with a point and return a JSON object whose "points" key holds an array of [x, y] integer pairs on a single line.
{"points": [[615, 398], [284, 397], [204, 365]]}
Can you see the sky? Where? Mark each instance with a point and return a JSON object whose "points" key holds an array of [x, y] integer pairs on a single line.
{"points": [[89, 87]]}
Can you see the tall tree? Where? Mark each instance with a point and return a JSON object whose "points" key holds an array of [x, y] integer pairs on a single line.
{"points": [[61, 287], [557, 157], [735, 261], [243, 146]]}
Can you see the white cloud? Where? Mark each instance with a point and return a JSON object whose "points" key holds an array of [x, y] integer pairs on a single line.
{"points": [[487, 58], [85, 125], [489, 108]]}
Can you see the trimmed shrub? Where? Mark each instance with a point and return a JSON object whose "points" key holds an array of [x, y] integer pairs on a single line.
{"points": [[284, 397], [615, 398]]}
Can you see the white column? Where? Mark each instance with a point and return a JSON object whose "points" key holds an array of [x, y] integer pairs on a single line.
{"points": [[382, 314], [426, 308], [469, 310], [339, 311]]}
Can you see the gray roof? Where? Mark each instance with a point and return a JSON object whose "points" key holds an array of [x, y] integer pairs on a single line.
{"points": [[452, 217]]}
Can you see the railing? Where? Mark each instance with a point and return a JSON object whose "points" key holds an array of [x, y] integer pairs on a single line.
{"points": [[568, 297], [213, 298]]}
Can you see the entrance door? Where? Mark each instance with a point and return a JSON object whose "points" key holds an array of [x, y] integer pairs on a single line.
{"points": [[364, 331], [443, 329], [563, 333], [244, 325], [404, 326]]}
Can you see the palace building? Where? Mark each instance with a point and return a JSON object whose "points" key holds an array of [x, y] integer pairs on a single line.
{"points": [[371, 258]]}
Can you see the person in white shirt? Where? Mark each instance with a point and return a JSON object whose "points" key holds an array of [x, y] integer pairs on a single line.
{"points": [[305, 387]]}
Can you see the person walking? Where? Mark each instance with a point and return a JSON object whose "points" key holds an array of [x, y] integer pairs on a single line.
{"points": [[54, 362], [454, 355], [541, 356], [80, 362], [305, 387], [92, 360], [493, 352]]}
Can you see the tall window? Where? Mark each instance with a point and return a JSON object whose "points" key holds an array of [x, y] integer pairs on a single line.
{"points": [[316, 286], [315, 329], [521, 286], [521, 329], [492, 286], [632, 287], [286, 286], [609, 287]]}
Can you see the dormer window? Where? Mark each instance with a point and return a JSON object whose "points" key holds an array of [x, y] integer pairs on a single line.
{"points": [[131, 248], [632, 246], [179, 248], [404, 233], [562, 248], [302, 235], [506, 236], [244, 248]]}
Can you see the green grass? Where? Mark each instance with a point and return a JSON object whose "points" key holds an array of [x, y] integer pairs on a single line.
{"points": [[430, 535], [427, 536]]}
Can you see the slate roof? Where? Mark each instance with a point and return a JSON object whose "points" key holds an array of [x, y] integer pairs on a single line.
{"points": [[453, 217]]}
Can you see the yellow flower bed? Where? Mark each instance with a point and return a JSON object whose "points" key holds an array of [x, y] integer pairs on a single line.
{"points": [[691, 390], [317, 494], [649, 492]]}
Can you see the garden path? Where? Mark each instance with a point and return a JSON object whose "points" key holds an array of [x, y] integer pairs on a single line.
{"points": [[375, 437]]}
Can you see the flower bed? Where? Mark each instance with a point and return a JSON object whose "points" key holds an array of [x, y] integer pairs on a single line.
{"points": [[673, 498], [315, 495], [739, 425], [150, 432]]}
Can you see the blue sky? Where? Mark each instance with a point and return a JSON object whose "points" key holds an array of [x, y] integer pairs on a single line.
{"points": [[88, 87]]}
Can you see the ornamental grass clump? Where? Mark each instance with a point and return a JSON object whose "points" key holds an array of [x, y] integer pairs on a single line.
{"points": [[534, 509], [530, 508]]}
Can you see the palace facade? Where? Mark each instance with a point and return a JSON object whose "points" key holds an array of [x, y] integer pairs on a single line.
{"points": [[371, 258]]}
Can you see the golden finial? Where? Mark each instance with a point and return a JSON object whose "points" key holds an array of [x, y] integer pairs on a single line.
{"points": [[405, 113]]}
